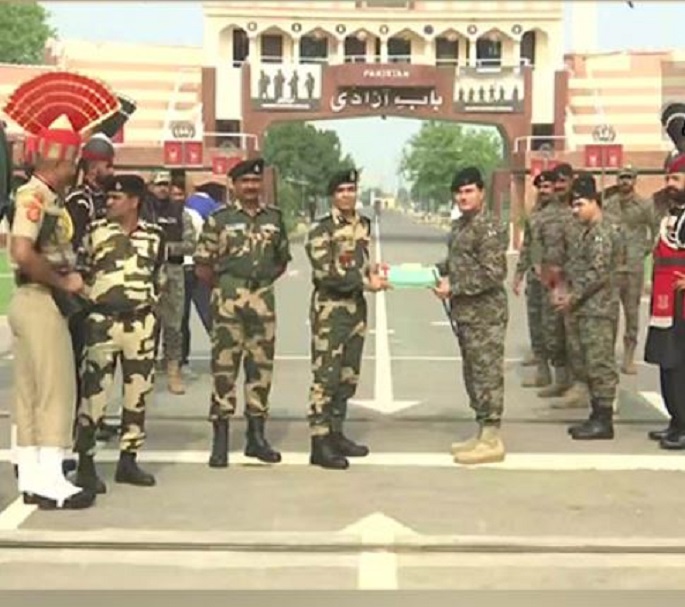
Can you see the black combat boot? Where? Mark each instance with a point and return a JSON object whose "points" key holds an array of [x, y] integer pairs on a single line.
{"points": [[657, 435], [598, 427], [324, 455], [129, 473], [257, 446], [106, 432], [219, 456], [674, 441], [79, 501], [87, 477], [345, 447]]}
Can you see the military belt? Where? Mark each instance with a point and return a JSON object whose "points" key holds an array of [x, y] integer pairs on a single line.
{"points": [[175, 260], [330, 295], [120, 314], [252, 284]]}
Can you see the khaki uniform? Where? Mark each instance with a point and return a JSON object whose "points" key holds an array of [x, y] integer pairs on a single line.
{"points": [[44, 374]]}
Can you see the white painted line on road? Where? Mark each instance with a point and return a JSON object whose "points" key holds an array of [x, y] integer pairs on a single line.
{"points": [[383, 398], [387, 332], [656, 400], [521, 462], [12, 517]]}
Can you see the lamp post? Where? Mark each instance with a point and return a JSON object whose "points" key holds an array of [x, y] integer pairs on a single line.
{"points": [[603, 134]]}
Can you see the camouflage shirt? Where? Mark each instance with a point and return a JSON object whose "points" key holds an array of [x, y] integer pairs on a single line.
{"points": [[40, 216], [476, 265], [549, 231], [591, 270], [242, 248], [635, 217], [122, 272], [338, 250], [530, 253]]}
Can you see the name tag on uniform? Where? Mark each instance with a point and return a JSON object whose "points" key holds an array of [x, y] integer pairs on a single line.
{"points": [[237, 226]]}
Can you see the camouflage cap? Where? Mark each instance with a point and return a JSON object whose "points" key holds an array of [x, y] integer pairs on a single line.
{"points": [[628, 171], [563, 170], [350, 176], [161, 178]]}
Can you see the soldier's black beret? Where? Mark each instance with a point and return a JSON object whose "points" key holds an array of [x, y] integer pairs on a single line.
{"points": [[126, 183], [247, 167], [544, 177], [563, 170], [467, 176], [341, 178], [584, 186]]}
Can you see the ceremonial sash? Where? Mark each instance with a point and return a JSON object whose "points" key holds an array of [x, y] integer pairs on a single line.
{"points": [[667, 303]]}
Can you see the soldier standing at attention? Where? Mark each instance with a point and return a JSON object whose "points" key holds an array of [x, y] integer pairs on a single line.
{"points": [[591, 299], [473, 278], [180, 238], [242, 251], [338, 251], [122, 264], [635, 217], [528, 268], [44, 374]]}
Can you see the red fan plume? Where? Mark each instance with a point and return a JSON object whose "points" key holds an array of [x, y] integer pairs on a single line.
{"points": [[36, 104]]}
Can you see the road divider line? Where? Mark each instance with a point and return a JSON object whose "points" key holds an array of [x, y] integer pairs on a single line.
{"points": [[14, 516], [656, 401], [523, 462]]}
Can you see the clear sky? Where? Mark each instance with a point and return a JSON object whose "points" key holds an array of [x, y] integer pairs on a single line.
{"points": [[650, 25]]}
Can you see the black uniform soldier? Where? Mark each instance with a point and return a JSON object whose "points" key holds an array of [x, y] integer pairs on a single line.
{"points": [[122, 264], [242, 250], [473, 278], [591, 303], [338, 250], [86, 203]]}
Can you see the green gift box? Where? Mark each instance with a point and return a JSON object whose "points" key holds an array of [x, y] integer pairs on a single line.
{"points": [[412, 276]]}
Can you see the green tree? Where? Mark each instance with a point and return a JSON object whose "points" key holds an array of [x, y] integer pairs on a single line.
{"points": [[432, 156], [302, 153], [24, 30]]}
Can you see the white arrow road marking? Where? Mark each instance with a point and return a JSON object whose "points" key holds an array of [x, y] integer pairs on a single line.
{"points": [[12, 517], [656, 400], [377, 569], [383, 398]]}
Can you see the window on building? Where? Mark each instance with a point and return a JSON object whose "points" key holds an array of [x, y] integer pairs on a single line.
{"points": [[488, 53], [399, 50], [355, 50], [241, 47], [272, 48], [446, 51], [313, 49], [225, 141], [528, 48]]}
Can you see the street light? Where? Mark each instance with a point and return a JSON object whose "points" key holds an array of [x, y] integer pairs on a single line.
{"points": [[603, 133]]}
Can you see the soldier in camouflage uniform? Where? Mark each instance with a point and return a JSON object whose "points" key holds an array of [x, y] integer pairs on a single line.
{"points": [[548, 233], [528, 268], [591, 298], [338, 250], [635, 217], [242, 250], [122, 265], [473, 278]]}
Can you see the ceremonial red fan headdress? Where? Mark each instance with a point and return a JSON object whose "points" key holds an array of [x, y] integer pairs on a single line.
{"points": [[59, 109]]}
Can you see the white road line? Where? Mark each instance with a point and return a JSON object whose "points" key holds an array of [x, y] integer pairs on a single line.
{"points": [[12, 517], [545, 462], [655, 399]]}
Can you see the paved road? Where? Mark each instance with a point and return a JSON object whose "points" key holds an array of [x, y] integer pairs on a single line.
{"points": [[555, 514]]}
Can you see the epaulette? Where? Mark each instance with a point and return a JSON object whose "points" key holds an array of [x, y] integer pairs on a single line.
{"points": [[97, 223], [272, 207], [151, 226]]}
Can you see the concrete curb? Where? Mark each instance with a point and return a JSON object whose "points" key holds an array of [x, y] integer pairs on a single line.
{"points": [[322, 542]]}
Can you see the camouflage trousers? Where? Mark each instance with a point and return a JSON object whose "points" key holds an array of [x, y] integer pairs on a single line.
{"points": [[594, 338], [131, 340], [630, 287], [535, 293], [574, 352], [243, 331], [554, 332], [482, 350], [171, 305], [338, 329]]}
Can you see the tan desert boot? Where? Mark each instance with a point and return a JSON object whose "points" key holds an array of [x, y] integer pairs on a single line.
{"points": [[542, 378], [175, 382], [628, 367], [577, 397], [488, 450], [467, 444], [559, 387]]}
